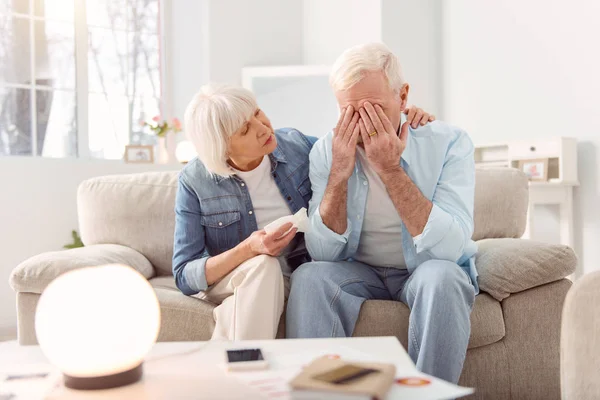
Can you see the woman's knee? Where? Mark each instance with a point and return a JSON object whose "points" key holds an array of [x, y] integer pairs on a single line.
{"points": [[263, 264], [268, 263]]}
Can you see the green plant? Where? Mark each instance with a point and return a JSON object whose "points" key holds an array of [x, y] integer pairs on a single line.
{"points": [[76, 241]]}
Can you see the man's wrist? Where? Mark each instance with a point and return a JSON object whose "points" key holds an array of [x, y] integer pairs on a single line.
{"points": [[337, 181], [391, 173]]}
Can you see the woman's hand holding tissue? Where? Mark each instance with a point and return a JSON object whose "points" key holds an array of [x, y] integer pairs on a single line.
{"points": [[273, 243], [278, 234], [299, 220]]}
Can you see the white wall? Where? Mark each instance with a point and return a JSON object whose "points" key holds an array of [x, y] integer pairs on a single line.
{"points": [[331, 26], [210, 41], [38, 211], [186, 37], [412, 30], [253, 33], [516, 69]]}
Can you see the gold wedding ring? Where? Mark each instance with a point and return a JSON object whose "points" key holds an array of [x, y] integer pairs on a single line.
{"points": [[373, 133]]}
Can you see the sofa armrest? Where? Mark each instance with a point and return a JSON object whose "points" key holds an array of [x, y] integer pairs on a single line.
{"points": [[579, 344], [508, 266], [34, 274]]}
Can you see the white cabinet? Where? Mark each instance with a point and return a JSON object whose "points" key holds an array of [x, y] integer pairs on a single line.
{"points": [[560, 152]]}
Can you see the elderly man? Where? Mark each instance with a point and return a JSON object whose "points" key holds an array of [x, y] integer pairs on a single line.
{"points": [[391, 218]]}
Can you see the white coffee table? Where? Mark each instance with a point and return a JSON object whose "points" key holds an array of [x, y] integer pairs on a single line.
{"points": [[193, 370]]}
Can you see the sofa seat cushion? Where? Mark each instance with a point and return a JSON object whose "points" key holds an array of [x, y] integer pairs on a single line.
{"points": [[390, 318], [508, 266], [190, 318], [183, 318]]}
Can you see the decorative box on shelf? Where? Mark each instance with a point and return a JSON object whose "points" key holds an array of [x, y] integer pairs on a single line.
{"points": [[551, 165]]}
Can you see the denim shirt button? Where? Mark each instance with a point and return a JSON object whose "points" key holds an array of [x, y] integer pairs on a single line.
{"points": [[220, 224], [250, 212], [365, 183], [243, 184]]}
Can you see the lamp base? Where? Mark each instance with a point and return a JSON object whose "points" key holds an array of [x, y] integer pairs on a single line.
{"points": [[104, 382]]}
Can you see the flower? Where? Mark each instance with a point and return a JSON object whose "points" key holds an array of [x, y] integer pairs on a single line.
{"points": [[176, 123], [162, 127]]}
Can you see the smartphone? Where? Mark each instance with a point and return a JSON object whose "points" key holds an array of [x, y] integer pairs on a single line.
{"points": [[245, 359]]}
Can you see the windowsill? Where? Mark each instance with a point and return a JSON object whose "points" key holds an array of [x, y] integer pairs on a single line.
{"points": [[89, 161]]}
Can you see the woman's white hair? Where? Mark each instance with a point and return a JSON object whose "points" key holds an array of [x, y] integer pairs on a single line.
{"points": [[213, 115], [350, 67]]}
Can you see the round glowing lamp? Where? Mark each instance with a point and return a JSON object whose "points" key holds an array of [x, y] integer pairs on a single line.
{"points": [[96, 324], [185, 151]]}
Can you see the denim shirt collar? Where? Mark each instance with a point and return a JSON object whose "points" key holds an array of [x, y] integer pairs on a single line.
{"points": [[277, 156]]}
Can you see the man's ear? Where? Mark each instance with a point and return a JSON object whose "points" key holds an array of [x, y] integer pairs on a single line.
{"points": [[403, 95]]}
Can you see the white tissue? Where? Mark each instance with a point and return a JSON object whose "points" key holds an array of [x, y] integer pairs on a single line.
{"points": [[299, 220]]}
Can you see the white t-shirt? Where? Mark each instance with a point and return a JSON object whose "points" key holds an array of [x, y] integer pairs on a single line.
{"points": [[381, 236], [267, 200]]}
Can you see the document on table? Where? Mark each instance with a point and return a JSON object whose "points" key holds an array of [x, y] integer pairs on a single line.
{"points": [[30, 382], [410, 383]]}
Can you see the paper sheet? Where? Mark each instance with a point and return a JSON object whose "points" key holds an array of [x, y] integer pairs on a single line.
{"points": [[273, 383], [28, 382]]}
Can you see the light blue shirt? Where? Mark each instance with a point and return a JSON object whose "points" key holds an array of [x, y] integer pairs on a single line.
{"points": [[438, 158]]}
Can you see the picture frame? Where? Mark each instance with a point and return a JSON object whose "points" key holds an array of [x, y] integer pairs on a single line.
{"points": [[535, 169], [139, 154]]}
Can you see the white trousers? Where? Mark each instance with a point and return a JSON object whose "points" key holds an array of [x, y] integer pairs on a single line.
{"points": [[250, 301]]}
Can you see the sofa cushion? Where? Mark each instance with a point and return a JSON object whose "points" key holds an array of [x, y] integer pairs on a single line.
{"points": [[137, 210], [134, 210], [390, 318], [183, 317], [508, 266], [34, 274], [501, 199]]}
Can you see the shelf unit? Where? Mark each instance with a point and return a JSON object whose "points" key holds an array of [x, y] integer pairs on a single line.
{"points": [[561, 153]]}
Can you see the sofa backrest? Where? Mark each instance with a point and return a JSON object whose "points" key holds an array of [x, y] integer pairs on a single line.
{"points": [[138, 210]]}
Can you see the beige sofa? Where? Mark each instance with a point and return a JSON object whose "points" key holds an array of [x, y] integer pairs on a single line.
{"points": [[514, 346], [580, 347]]}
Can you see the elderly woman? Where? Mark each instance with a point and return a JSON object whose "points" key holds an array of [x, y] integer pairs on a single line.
{"points": [[246, 176]]}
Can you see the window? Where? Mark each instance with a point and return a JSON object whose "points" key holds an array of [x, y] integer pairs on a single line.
{"points": [[76, 77]]}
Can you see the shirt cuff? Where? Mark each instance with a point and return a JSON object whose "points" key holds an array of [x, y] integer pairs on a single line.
{"points": [[438, 224], [195, 275], [326, 233]]}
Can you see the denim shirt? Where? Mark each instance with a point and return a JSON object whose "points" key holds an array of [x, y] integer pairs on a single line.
{"points": [[438, 158], [214, 214]]}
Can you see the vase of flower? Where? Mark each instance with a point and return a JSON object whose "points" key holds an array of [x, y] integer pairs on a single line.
{"points": [[161, 150], [165, 132]]}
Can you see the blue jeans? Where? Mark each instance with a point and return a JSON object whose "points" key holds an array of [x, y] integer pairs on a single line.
{"points": [[326, 297]]}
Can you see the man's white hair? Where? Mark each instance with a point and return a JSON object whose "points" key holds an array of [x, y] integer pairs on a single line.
{"points": [[213, 115], [350, 67]]}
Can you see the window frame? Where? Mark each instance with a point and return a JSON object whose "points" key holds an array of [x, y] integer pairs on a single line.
{"points": [[81, 90]]}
